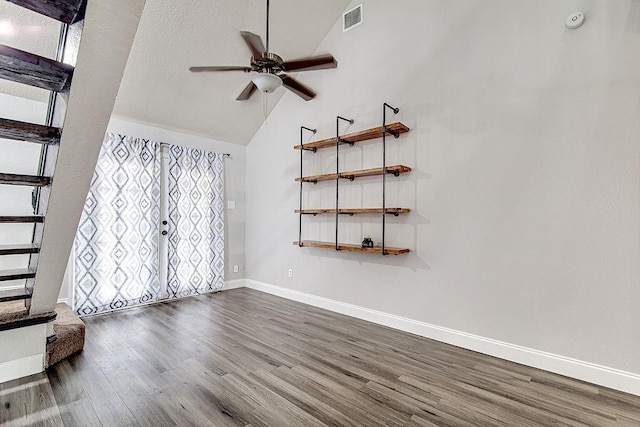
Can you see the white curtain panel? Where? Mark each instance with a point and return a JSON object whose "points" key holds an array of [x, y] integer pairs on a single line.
{"points": [[116, 245], [196, 222]]}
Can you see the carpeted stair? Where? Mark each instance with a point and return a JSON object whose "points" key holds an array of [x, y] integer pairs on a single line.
{"points": [[69, 330], [14, 314]]}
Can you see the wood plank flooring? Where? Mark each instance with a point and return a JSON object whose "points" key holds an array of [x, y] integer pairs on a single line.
{"points": [[245, 358]]}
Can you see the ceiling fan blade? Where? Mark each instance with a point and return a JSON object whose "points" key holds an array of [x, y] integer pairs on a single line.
{"points": [[312, 63], [247, 92], [254, 42], [222, 68], [298, 88]]}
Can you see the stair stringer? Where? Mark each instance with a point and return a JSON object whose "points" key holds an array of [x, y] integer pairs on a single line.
{"points": [[108, 34]]}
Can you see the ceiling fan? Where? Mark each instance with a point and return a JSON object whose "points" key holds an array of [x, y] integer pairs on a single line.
{"points": [[271, 68]]}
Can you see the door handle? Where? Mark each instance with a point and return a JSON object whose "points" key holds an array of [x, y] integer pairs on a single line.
{"points": [[165, 232]]}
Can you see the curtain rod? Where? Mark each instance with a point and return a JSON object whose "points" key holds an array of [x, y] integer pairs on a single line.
{"points": [[165, 144]]}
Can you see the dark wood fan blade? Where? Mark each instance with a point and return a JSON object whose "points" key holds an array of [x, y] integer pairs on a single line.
{"points": [[254, 42], [247, 92], [308, 64], [222, 68], [298, 88]]}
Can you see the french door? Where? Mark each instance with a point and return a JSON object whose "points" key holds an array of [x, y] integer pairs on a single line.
{"points": [[152, 228]]}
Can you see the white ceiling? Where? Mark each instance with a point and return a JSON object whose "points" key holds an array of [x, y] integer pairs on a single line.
{"points": [[158, 88]]}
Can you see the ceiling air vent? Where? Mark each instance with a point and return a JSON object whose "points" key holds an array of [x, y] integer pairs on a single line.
{"points": [[352, 18]]}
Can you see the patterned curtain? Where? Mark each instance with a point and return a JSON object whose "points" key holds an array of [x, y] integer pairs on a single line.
{"points": [[116, 245], [196, 222]]}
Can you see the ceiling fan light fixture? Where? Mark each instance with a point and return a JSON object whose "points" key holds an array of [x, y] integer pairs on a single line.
{"points": [[266, 82]]}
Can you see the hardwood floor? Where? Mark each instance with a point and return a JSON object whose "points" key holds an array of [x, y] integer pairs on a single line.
{"points": [[245, 358]]}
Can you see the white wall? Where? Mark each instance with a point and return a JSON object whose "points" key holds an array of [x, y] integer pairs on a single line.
{"points": [[234, 189], [525, 190]]}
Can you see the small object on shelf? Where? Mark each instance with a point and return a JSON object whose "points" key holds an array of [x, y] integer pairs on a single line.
{"points": [[367, 242]]}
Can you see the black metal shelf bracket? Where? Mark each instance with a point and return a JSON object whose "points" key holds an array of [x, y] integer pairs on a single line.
{"points": [[395, 110], [302, 181], [395, 134], [344, 141], [338, 139], [349, 177]]}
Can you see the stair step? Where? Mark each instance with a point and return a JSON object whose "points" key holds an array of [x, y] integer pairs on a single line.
{"points": [[66, 11], [22, 131], [34, 70], [31, 180], [19, 249], [18, 274], [14, 315], [7, 295], [21, 219], [69, 336]]}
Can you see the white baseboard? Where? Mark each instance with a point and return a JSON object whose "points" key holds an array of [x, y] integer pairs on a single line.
{"points": [[601, 375], [233, 284], [19, 368], [64, 300]]}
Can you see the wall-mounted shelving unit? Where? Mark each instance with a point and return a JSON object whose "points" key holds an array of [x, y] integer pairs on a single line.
{"points": [[394, 129]]}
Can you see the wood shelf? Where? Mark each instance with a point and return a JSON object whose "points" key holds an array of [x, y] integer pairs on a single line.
{"points": [[396, 170], [351, 138], [350, 211], [351, 247]]}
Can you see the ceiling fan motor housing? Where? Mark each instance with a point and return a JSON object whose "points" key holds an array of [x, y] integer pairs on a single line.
{"points": [[268, 62]]}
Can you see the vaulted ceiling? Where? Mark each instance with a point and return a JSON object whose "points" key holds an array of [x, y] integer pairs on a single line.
{"points": [[158, 88]]}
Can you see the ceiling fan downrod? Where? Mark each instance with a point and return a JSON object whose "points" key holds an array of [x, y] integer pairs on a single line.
{"points": [[267, 26]]}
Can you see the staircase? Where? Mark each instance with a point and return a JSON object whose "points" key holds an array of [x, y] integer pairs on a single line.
{"points": [[55, 76], [82, 99]]}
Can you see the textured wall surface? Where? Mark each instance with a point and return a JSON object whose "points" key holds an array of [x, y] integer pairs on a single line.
{"points": [[525, 193]]}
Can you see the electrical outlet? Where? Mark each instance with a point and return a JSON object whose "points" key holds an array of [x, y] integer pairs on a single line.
{"points": [[236, 269], [290, 272]]}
